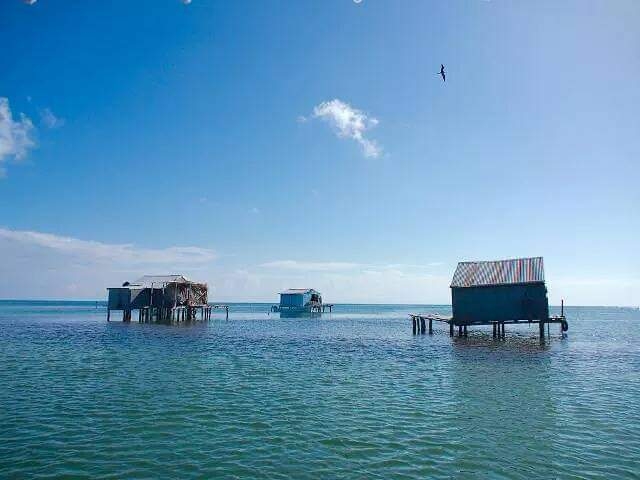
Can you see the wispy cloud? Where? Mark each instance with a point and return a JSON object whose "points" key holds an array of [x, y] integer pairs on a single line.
{"points": [[44, 265], [49, 119], [305, 266], [349, 122], [309, 266], [16, 135], [127, 254]]}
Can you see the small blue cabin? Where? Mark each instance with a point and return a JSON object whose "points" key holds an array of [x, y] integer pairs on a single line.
{"points": [[499, 291], [302, 299]]}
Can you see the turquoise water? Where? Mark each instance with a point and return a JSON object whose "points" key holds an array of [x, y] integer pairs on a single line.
{"points": [[351, 395]]}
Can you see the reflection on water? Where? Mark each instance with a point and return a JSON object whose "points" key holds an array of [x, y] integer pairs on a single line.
{"points": [[351, 394]]}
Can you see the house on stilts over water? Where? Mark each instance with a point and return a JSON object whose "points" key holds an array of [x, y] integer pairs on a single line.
{"points": [[161, 298], [300, 301], [496, 293]]}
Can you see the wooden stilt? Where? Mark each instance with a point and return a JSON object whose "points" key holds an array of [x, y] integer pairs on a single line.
{"points": [[423, 325], [494, 329], [465, 331], [503, 330], [451, 329], [430, 327], [415, 323], [541, 325], [459, 330], [108, 314]]}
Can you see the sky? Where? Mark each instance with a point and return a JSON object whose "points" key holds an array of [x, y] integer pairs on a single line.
{"points": [[262, 145]]}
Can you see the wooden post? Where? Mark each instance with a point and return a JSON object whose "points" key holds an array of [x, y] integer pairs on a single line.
{"points": [[494, 329], [430, 326], [414, 322], [108, 314], [451, 328], [503, 330], [465, 331], [423, 325], [459, 330], [541, 325]]}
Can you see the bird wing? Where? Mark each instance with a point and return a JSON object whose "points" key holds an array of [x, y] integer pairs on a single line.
{"points": [[444, 77]]}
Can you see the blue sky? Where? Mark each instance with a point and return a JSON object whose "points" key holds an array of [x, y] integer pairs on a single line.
{"points": [[259, 145]]}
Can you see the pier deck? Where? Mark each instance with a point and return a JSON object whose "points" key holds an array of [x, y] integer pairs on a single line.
{"points": [[315, 308], [421, 320]]}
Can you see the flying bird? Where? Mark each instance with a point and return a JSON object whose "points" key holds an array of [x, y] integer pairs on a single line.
{"points": [[442, 74]]}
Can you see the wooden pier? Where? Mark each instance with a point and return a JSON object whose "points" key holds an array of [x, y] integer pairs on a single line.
{"points": [[421, 320], [316, 308]]}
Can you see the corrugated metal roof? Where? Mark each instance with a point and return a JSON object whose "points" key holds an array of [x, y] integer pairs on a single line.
{"points": [[159, 280], [298, 291], [499, 272]]}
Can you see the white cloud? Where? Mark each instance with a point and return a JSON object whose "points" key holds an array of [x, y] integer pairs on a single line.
{"points": [[29, 2], [43, 265], [338, 282], [16, 135], [295, 265], [309, 266], [349, 122], [186, 2], [604, 290], [49, 119], [124, 254]]}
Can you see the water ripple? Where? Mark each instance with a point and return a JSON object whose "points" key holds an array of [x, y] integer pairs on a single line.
{"points": [[353, 395]]}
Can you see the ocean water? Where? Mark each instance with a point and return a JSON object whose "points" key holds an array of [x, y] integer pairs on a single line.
{"points": [[350, 395]]}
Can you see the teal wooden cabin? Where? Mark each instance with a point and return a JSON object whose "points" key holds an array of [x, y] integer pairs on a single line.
{"points": [[496, 293], [300, 301], [499, 291]]}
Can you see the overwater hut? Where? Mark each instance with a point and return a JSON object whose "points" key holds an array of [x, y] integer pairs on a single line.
{"points": [[499, 291], [160, 297], [301, 300], [496, 293]]}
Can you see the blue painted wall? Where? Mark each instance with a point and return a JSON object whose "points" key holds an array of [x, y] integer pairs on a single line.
{"points": [[293, 299], [499, 303]]}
